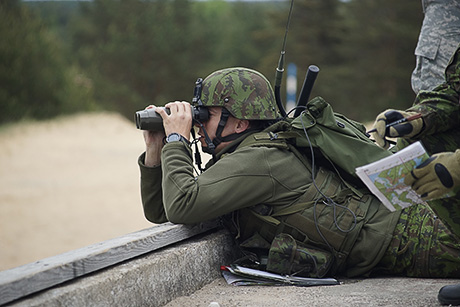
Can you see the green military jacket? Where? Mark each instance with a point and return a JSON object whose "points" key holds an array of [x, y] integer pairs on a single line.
{"points": [[245, 178]]}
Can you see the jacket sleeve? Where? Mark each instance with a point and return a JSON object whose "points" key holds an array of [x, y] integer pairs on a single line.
{"points": [[440, 107], [240, 179], [151, 192]]}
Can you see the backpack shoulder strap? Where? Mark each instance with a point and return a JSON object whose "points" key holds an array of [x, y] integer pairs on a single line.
{"points": [[279, 136]]}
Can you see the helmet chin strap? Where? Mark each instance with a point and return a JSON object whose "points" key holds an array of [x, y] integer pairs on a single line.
{"points": [[212, 144], [223, 121], [210, 148]]}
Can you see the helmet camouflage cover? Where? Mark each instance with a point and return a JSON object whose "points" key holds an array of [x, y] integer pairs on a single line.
{"points": [[244, 92]]}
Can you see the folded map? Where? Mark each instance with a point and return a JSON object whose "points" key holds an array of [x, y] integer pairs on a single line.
{"points": [[385, 177]]}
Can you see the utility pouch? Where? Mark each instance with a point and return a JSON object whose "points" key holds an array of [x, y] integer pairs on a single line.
{"points": [[290, 257]]}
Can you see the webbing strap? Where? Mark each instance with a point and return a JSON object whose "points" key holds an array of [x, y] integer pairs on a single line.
{"points": [[263, 139], [267, 218], [281, 135], [266, 226], [269, 138], [223, 121], [305, 225], [344, 181], [310, 196]]}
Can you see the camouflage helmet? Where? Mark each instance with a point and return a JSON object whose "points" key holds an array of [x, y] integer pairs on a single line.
{"points": [[244, 92]]}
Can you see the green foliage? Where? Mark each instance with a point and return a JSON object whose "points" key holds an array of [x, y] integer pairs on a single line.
{"points": [[364, 48], [127, 54], [141, 52], [381, 38], [35, 82]]}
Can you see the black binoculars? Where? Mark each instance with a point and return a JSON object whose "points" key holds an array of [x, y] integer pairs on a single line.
{"points": [[149, 119]]}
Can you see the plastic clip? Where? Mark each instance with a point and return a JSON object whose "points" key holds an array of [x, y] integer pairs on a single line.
{"points": [[273, 136]]}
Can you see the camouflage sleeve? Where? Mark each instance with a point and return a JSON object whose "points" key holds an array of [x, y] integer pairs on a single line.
{"points": [[438, 39], [440, 107]]}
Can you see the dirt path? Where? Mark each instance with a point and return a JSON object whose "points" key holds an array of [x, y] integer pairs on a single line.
{"points": [[67, 183]]}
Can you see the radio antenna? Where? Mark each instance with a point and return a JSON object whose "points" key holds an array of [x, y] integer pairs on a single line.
{"points": [[280, 68]]}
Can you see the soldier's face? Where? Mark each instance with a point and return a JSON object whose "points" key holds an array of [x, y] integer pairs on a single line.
{"points": [[211, 127]]}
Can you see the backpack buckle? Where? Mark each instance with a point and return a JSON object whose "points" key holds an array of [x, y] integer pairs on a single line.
{"points": [[273, 136]]}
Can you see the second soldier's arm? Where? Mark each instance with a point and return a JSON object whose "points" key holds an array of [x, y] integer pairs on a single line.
{"points": [[440, 110]]}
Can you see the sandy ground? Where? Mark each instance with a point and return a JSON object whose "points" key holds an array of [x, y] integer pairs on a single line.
{"points": [[67, 183]]}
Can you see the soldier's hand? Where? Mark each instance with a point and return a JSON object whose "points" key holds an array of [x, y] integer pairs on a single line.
{"points": [[406, 129], [435, 177], [153, 145], [179, 120]]}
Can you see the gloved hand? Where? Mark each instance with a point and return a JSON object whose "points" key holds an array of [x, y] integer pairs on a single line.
{"points": [[436, 176], [406, 129]]}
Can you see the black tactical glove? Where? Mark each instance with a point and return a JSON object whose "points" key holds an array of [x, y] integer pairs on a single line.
{"points": [[406, 129], [437, 176]]}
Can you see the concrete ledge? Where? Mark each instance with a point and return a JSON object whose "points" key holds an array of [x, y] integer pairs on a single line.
{"points": [[31, 278], [150, 280]]}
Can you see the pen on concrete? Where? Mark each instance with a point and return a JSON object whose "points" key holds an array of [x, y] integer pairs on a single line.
{"points": [[402, 120]]}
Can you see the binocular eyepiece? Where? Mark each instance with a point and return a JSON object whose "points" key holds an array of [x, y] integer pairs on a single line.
{"points": [[149, 119]]}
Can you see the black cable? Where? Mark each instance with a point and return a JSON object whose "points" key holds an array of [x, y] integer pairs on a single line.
{"points": [[326, 199]]}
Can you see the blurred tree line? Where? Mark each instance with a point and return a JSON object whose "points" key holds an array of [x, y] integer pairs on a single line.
{"points": [[66, 56]]}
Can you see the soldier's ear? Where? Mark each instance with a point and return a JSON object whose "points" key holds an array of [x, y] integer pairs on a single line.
{"points": [[241, 125]]}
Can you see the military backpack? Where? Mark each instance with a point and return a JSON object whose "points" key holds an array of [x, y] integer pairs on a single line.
{"points": [[314, 236]]}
